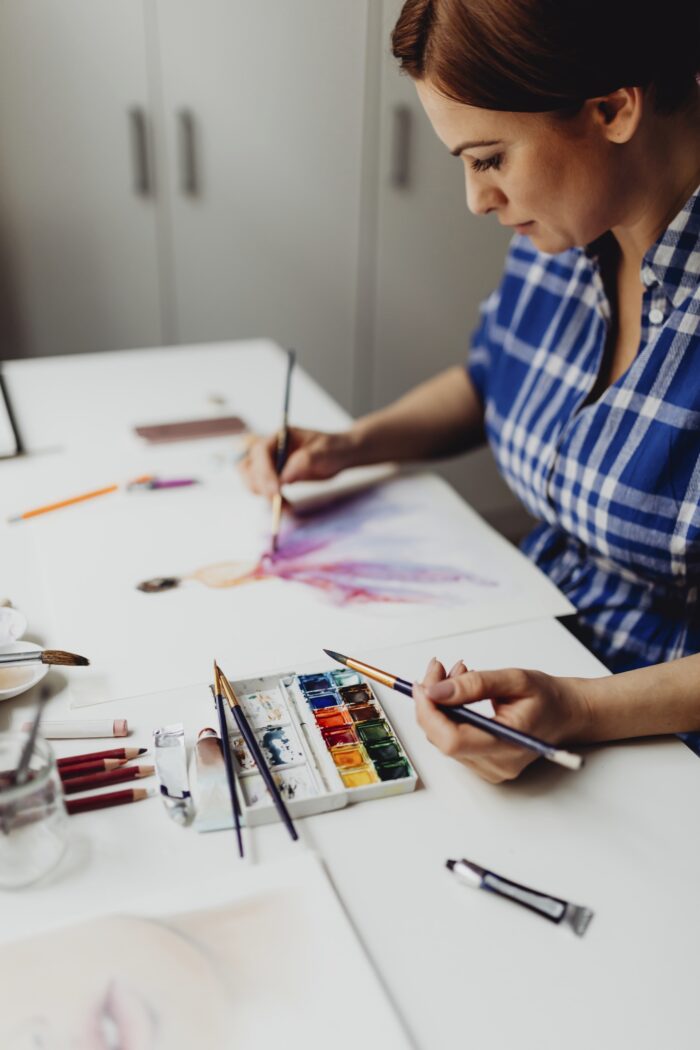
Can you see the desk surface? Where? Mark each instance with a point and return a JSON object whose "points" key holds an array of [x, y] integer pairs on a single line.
{"points": [[458, 965]]}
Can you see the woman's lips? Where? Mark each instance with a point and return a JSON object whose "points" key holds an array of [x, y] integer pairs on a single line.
{"points": [[523, 227]]}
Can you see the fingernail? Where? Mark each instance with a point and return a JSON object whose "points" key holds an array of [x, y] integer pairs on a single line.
{"points": [[433, 660], [441, 691], [454, 668]]}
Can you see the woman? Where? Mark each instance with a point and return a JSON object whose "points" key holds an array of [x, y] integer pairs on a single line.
{"points": [[578, 125]]}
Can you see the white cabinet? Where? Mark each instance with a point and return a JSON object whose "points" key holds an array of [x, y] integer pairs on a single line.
{"points": [[78, 243], [262, 118], [249, 119]]}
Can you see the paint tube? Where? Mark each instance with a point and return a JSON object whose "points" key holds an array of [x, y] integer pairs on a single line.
{"points": [[576, 916], [171, 768]]}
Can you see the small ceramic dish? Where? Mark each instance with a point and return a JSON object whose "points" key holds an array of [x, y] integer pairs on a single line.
{"points": [[16, 680]]}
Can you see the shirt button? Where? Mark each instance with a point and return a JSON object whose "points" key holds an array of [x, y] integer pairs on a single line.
{"points": [[656, 317], [648, 277]]}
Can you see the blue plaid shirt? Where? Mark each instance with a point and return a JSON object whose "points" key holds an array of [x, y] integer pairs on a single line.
{"points": [[615, 482]]}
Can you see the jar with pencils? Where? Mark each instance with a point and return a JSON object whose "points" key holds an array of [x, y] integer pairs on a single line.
{"points": [[33, 818]]}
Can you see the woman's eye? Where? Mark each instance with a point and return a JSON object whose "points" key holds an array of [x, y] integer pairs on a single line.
{"points": [[489, 162]]}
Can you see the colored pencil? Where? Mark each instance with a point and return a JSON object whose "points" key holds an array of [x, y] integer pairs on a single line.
{"points": [[87, 769], [464, 713], [59, 504], [115, 776], [79, 729], [114, 798], [228, 763], [281, 451], [112, 752], [224, 688]]}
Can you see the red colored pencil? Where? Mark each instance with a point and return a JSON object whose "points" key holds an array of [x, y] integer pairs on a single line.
{"points": [[112, 752], [86, 769], [114, 798], [116, 776]]}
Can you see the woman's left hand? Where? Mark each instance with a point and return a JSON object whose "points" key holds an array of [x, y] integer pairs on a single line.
{"points": [[553, 709]]}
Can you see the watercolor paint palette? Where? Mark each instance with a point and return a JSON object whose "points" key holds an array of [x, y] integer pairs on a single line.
{"points": [[327, 739]]}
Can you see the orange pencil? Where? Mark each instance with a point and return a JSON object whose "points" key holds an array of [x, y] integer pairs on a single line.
{"points": [[72, 500]]}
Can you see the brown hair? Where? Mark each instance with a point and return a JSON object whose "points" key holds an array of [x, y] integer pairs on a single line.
{"points": [[537, 56]]}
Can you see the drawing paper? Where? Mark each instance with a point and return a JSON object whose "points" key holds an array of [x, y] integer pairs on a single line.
{"points": [[405, 561], [260, 971]]}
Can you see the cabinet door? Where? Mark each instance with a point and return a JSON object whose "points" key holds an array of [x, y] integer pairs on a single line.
{"points": [[435, 263], [262, 110], [78, 253]]}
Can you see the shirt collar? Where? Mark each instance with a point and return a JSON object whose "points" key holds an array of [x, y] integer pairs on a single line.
{"points": [[673, 261]]}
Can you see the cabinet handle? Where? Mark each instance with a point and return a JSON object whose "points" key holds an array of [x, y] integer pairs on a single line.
{"points": [[401, 147], [138, 128], [189, 174]]}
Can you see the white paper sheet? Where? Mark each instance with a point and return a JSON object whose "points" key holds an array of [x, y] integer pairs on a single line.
{"points": [[406, 561], [277, 966]]}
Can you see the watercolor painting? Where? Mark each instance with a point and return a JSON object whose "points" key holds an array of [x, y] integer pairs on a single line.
{"points": [[237, 974], [310, 553], [405, 562]]}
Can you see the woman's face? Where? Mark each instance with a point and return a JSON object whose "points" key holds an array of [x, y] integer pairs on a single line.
{"points": [[559, 181]]}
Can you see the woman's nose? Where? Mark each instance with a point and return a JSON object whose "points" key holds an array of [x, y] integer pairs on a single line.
{"points": [[482, 196]]}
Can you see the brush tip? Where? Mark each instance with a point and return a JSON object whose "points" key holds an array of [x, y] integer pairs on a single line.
{"points": [[58, 656], [335, 656]]}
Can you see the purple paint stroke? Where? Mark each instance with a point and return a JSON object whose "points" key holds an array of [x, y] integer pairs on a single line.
{"points": [[348, 580]]}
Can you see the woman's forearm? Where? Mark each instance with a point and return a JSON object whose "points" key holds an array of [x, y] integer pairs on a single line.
{"points": [[654, 700], [441, 417]]}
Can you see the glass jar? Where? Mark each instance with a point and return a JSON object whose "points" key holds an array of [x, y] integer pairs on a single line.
{"points": [[33, 818]]}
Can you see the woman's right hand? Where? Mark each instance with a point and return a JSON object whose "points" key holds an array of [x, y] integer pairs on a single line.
{"points": [[312, 456]]}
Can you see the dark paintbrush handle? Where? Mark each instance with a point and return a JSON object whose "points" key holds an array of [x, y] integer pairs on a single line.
{"points": [[230, 773], [467, 716], [264, 770]]}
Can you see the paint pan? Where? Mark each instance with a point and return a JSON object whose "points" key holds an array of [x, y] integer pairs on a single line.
{"points": [[345, 677], [333, 717], [339, 735], [356, 694], [327, 739], [363, 712]]}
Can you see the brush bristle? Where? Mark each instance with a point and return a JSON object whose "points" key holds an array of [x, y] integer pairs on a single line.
{"points": [[58, 656], [336, 656]]}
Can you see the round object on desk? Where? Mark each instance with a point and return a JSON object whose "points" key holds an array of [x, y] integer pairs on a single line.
{"points": [[13, 624], [16, 680]]}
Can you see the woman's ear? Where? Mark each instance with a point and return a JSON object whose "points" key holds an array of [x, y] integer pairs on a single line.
{"points": [[619, 113]]}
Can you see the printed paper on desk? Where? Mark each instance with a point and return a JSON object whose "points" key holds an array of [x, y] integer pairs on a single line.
{"points": [[261, 971], [404, 562]]}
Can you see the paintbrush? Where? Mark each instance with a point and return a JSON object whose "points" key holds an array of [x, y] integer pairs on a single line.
{"points": [[22, 771], [47, 656], [464, 713], [228, 764], [281, 451], [224, 688]]}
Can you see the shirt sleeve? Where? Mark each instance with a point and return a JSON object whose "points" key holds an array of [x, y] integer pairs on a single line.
{"points": [[481, 348]]}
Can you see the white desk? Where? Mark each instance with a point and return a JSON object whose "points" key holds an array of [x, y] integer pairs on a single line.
{"points": [[460, 966]]}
